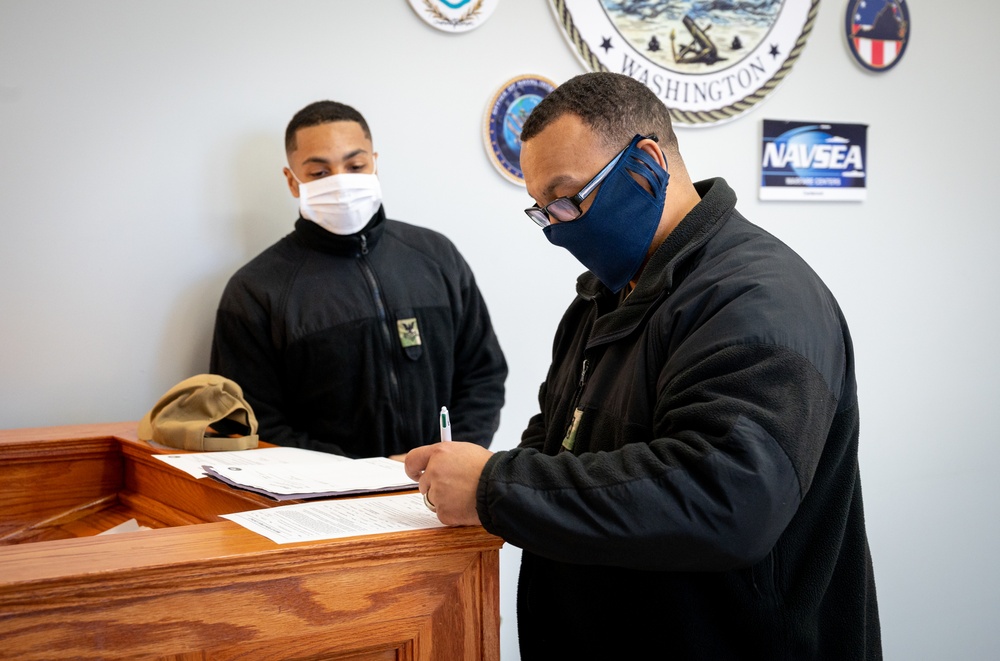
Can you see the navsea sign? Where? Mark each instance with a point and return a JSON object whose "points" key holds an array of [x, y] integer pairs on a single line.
{"points": [[813, 161], [708, 61]]}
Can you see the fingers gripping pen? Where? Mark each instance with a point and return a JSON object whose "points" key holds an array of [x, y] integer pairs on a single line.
{"points": [[445, 421]]}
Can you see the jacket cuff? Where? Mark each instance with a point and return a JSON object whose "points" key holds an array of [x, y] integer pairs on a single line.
{"points": [[482, 502]]}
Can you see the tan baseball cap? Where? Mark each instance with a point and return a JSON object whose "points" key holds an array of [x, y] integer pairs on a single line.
{"points": [[206, 412]]}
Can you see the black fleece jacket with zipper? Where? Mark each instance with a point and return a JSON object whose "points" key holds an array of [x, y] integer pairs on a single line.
{"points": [[352, 344], [691, 483]]}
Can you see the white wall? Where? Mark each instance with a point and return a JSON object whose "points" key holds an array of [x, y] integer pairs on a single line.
{"points": [[141, 154]]}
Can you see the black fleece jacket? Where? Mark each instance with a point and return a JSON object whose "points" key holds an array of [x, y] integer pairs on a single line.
{"points": [[352, 344], [709, 506]]}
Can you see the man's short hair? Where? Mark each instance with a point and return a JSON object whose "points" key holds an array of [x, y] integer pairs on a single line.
{"points": [[322, 112], [613, 105]]}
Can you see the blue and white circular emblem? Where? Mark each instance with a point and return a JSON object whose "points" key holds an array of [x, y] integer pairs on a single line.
{"points": [[454, 15], [877, 32], [505, 116]]}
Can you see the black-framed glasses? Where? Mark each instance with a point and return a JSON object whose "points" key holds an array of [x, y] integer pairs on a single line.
{"points": [[566, 209]]}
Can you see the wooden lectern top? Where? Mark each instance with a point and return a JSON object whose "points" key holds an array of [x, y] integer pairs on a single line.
{"points": [[198, 586]]}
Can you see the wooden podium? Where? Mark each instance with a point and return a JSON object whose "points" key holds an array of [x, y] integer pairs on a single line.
{"points": [[202, 587]]}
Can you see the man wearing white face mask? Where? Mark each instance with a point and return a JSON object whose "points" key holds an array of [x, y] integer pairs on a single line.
{"points": [[349, 334]]}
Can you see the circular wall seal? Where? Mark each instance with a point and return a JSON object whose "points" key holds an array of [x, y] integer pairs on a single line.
{"points": [[708, 61], [877, 32], [505, 116], [454, 15]]}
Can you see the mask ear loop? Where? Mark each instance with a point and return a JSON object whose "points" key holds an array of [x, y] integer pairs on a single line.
{"points": [[642, 164]]}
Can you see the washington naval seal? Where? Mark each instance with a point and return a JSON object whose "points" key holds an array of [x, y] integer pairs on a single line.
{"points": [[708, 61]]}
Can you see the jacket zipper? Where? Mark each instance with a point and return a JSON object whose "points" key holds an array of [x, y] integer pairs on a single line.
{"points": [[584, 369], [383, 316], [584, 365], [576, 414]]}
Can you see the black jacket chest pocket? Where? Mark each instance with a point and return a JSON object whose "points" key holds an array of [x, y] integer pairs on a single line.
{"points": [[408, 332]]}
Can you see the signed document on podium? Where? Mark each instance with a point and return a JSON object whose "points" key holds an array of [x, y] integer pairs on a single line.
{"points": [[330, 519], [293, 473]]}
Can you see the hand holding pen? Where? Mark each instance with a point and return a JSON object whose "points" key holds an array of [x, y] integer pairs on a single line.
{"points": [[451, 471], [445, 421]]}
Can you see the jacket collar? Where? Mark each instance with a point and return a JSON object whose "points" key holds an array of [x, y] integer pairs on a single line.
{"points": [[313, 236], [663, 270]]}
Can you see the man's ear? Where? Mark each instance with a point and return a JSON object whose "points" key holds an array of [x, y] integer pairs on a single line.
{"points": [[293, 184], [652, 148]]}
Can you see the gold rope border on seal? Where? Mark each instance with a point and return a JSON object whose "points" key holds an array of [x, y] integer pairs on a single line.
{"points": [[701, 116]]}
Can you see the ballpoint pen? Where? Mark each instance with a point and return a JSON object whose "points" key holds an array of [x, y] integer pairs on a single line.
{"points": [[445, 421], [445, 424]]}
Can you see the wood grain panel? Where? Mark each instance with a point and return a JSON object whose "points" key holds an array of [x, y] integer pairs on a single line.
{"points": [[218, 604], [39, 486], [218, 591]]}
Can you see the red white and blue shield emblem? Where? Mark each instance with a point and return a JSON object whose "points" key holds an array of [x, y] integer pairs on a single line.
{"points": [[877, 32]]}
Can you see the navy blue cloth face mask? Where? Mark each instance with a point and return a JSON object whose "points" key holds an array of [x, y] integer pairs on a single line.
{"points": [[612, 237]]}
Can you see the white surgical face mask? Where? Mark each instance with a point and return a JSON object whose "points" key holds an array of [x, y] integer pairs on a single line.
{"points": [[341, 203]]}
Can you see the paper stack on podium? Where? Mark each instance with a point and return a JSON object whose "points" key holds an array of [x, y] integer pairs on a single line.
{"points": [[293, 473]]}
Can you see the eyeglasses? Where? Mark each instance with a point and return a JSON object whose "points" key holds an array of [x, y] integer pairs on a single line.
{"points": [[566, 209]]}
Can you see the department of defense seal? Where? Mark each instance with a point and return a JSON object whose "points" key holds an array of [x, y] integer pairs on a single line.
{"points": [[454, 15], [877, 32], [708, 61], [505, 116]]}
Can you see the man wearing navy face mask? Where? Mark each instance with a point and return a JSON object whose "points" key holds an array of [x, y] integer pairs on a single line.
{"points": [[690, 487], [349, 334]]}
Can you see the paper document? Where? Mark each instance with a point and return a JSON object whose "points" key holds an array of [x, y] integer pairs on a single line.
{"points": [[332, 519], [296, 481], [293, 473], [192, 462], [127, 526]]}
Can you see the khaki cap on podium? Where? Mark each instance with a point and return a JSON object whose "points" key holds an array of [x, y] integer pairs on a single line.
{"points": [[206, 412]]}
